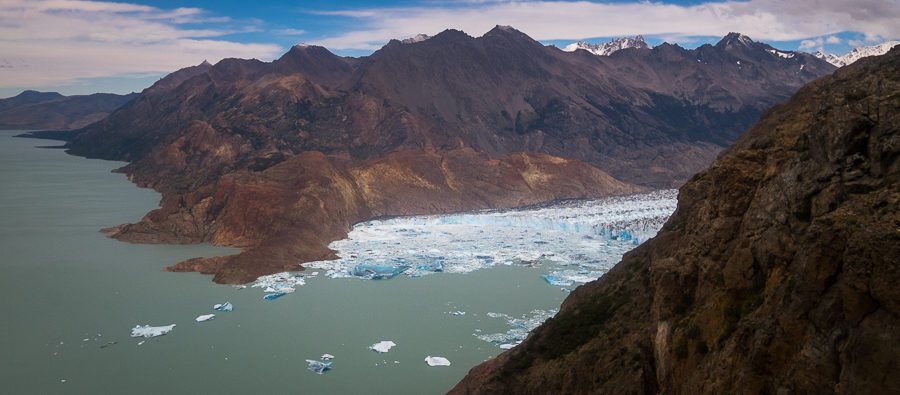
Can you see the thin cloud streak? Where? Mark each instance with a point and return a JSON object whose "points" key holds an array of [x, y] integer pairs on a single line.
{"points": [[776, 20], [59, 42]]}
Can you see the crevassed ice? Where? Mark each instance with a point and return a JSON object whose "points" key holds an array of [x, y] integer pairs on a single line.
{"points": [[577, 241]]}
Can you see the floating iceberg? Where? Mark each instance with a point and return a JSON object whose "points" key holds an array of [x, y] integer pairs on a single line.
{"points": [[223, 307], [151, 331], [382, 346], [326, 357], [437, 361], [378, 272], [318, 367], [520, 327], [274, 296], [279, 282], [205, 317], [557, 280]]}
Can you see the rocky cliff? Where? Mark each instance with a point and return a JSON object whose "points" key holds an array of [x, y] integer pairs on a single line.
{"points": [[777, 273]]}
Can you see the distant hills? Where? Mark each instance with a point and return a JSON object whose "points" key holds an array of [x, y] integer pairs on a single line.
{"points": [[856, 53], [50, 110], [281, 158]]}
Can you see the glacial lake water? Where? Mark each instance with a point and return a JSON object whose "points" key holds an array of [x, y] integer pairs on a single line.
{"points": [[70, 297]]}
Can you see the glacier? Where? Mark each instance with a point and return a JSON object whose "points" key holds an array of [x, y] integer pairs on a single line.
{"points": [[575, 241]]}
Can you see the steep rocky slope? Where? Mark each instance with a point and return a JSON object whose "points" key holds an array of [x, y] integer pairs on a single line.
{"points": [[777, 273], [50, 110]]}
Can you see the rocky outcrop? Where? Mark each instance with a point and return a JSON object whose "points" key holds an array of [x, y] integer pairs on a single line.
{"points": [[776, 274], [51, 110]]}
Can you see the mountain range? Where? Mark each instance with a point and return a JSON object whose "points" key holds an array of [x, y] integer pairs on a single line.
{"points": [[50, 110], [281, 158], [776, 274], [856, 53], [607, 48]]}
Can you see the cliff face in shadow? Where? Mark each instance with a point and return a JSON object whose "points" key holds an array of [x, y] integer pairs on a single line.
{"points": [[776, 274]]}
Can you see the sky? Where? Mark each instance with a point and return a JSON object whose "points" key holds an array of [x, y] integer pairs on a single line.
{"points": [[83, 47]]}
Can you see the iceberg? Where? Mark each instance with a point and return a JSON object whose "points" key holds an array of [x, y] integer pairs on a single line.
{"points": [[205, 317], [437, 361], [151, 331], [223, 307], [274, 296], [557, 280], [378, 272], [382, 346], [520, 327], [318, 367], [326, 357]]}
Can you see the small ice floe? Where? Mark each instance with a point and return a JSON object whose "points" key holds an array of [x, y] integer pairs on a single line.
{"points": [[507, 346], [557, 280], [140, 342], [223, 307], [239, 286], [205, 317], [279, 282], [151, 331], [382, 346], [274, 296], [326, 357], [458, 313], [318, 367], [378, 272], [437, 361]]}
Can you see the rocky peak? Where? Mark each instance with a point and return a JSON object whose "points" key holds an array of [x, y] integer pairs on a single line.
{"points": [[607, 48], [734, 40], [418, 38]]}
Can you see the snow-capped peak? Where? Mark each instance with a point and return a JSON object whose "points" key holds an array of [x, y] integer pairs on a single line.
{"points": [[418, 38], [607, 48], [735, 40], [856, 53]]}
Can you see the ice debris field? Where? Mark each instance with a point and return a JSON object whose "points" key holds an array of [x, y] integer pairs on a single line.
{"points": [[573, 241], [568, 243]]}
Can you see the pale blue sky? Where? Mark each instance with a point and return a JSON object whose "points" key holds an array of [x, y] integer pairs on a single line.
{"points": [[82, 47]]}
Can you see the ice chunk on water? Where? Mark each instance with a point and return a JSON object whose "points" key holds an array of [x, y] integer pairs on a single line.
{"points": [[326, 357], [205, 317], [437, 361], [151, 331], [520, 327], [507, 346], [382, 346], [279, 282], [223, 307], [318, 367], [274, 296], [378, 272], [557, 280]]}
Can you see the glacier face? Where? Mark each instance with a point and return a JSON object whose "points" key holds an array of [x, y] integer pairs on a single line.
{"points": [[572, 242]]}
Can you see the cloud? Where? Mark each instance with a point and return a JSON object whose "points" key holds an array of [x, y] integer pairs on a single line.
{"points": [[289, 32], [809, 45], [833, 40], [775, 20], [58, 42]]}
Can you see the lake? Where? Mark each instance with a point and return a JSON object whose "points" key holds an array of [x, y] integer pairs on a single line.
{"points": [[70, 297]]}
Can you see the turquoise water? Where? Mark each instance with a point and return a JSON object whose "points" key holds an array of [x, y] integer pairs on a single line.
{"points": [[63, 282]]}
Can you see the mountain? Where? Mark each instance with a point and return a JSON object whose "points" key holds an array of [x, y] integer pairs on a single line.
{"points": [[607, 48], [777, 272], [224, 145], [51, 110], [856, 53]]}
